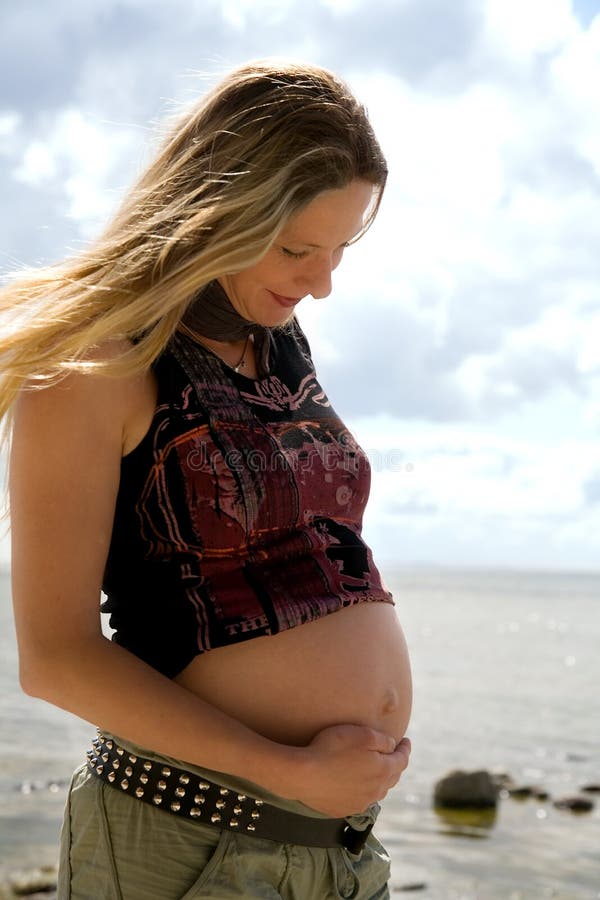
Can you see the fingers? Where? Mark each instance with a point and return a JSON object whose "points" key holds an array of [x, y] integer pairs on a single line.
{"points": [[404, 747], [381, 742]]}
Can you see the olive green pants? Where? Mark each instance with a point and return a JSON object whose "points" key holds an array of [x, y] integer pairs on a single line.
{"points": [[115, 848]]}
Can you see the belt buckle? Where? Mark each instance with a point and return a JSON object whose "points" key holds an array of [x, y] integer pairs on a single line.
{"points": [[354, 840]]}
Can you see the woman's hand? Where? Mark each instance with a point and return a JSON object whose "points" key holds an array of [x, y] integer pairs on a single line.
{"points": [[345, 768]]}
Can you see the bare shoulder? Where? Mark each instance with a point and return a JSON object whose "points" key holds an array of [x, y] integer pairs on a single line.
{"points": [[104, 409]]}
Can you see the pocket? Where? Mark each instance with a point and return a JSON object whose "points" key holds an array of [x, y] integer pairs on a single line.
{"points": [[215, 863], [158, 856], [367, 873]]}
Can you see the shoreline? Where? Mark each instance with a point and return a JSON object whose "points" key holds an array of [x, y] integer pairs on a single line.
{"points": [[433, 852]]}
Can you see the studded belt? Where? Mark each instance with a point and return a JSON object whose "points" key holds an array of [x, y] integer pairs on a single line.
{"points": [[185, 794]]}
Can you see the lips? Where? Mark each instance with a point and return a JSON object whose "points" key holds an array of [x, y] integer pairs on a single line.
{"points": [[287, 302]]}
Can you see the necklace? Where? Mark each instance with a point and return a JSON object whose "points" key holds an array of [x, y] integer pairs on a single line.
{"points": [[241, 363]]}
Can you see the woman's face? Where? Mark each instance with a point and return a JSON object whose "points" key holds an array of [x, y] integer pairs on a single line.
{"points": [[302, 258]]}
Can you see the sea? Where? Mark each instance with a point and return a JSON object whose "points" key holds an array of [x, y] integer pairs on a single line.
{"points": [[506, 669]]}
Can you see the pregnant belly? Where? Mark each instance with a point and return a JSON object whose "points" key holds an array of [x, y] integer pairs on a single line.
{"points": [[351, 666]]}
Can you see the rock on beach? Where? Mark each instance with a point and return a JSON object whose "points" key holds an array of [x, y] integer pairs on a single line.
{"points": [[466, 790], [574, 803], [35, 884], [459, 790]]}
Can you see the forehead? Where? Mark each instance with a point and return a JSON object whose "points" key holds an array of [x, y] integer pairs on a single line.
{"points": [[333, 217]]}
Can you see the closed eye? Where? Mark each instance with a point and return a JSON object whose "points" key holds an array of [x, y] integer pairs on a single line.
{"points": [[300, 254], [291, 254]]}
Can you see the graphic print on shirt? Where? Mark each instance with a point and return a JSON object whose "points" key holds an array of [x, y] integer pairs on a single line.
{"points": [[256, 495]]}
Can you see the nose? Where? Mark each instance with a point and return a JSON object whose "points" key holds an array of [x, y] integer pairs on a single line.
{"points": [[319, 278]]}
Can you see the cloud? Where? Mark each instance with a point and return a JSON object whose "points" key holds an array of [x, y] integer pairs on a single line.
{"points": [[474, 300], [591, 489], [468, 494]]}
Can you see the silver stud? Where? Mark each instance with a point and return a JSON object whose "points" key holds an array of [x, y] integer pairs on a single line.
{"points": [[195, 812], [165, 771], [109, 744], [105, 757], [129, 771], [180, 792], [162, 785], [223, 792], [133, 759], [241, 797], [184, 779], [250, 828], [176, 806], [203, 785], [144, 778], [157, 799], [124, 784], [120, 751], [220, 804], [99, 769], [139, 792], [111, 777], [234, 823], [147, 766], [89, 753], [199, 799], [258, 802], [237, 810], [93, 761], [255, 814], [116, 764], [215, 818]]}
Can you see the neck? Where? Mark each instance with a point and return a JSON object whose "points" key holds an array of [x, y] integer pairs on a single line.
{"points": [[211, 317]]}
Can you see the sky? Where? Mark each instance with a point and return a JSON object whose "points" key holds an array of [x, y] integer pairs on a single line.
{"points": [[461, 343]]}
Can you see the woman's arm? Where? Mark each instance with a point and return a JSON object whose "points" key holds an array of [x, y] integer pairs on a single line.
{"points": [[64, 474]]}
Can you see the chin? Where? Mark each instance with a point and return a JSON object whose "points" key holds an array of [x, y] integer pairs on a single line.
{"points": [[276, 321], [285, 319]]}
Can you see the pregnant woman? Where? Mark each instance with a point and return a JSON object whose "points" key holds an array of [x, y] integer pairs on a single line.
{"points": [[172, 446]]}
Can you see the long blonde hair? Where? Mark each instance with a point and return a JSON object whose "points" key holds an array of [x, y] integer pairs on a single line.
{"points": [[255, 150]]}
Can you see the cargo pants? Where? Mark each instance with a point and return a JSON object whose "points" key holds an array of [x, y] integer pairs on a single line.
{"points": [[114, 847]]}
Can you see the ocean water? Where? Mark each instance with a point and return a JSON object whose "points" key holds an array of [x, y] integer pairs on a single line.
{"points": [[507, 677]]}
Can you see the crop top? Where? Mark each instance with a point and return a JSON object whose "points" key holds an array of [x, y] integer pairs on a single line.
{"points": [[239, 514]]}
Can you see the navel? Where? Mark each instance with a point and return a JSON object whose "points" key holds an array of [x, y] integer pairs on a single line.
{"points": [[391, 702]]}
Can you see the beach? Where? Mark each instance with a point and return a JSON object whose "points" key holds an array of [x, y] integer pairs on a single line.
{"points": [[506, 669]]}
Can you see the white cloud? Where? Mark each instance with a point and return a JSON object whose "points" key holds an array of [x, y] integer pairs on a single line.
{"points": [[9, 122], [438, 491], [520, 30], [575, 75], [82, 155], [38, 164], [474, 298]]}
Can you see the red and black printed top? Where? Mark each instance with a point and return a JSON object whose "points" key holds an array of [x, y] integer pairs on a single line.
{"points": [[239, 514]]}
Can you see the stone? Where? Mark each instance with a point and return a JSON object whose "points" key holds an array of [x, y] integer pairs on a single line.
{"points": [[502, 779], [34, 882], [591, 788], [574, 803], [466, 790], [520, 792], [525, 791]]}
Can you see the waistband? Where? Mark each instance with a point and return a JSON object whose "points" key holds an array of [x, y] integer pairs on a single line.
{"points": [[189, 793]]}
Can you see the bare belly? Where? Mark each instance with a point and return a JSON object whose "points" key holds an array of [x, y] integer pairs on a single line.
{"points": [[351, 666]]}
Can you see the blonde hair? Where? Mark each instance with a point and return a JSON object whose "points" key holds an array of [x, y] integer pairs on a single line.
{"points": [[260, 146]]}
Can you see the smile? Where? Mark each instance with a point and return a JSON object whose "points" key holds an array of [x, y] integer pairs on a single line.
{"points": [[285, 301]]}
